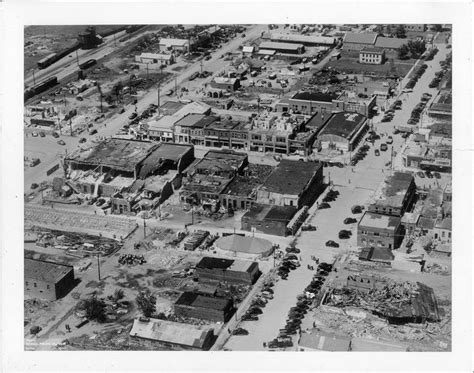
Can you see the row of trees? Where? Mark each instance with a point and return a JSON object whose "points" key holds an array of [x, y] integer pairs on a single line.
{"points": [[413, 49], [95, 308]]}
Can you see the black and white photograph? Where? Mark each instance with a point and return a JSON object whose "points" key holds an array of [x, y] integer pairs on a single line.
{"points": [[240, 186]]}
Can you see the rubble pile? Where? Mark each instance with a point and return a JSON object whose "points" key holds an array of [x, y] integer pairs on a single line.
{"points": [[397, 301], [76, 243]]}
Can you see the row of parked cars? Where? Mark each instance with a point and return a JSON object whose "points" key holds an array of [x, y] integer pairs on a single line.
{"points": [[289, 263], [360, 154], [257, 304], [417, 75], [297, 313], [418, 109], [429, 174], [390, 113]]}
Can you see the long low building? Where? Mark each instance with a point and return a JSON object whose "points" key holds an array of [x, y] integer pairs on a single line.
{"points": [[199, 306], [228, 270], [47, 280], [288, 48], [343, 131], [307, 40], [174, 334], [153, 58]]}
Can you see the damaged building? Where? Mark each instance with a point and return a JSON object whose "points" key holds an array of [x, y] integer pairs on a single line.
{"points": [[203, 307], [228, 270], [135, 175], [207, 178]]}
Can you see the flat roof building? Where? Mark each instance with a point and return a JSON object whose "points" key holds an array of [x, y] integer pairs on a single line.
{"points": [[227, 270], [175, 44], [152, 58], [318, 340], [292, 183], [174, 334], [268, 219], [306, 40], [390, 43], [395, 194], [47, 280], [287, 48], [343, 131], [379, 231], [199, 306], [358, 40]]}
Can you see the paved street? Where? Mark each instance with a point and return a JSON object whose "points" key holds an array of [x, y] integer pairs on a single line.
{"points": [[355, 188]]}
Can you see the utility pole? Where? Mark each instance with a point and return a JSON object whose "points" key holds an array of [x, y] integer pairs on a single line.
{"points": [[98, 264], [70, 126], [176, 85], [144, 228], [34, 78], [201, 66], [159, 97], [147, 71], [77, 58]]}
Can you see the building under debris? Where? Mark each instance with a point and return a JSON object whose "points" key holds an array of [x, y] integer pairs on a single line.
{"points": [[269, 219]]}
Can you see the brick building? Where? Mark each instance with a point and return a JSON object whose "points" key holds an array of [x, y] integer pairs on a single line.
{"points": [[379, 231], [268, 219], [47, 280], [228, 270], [203, 307], [372, 56]]}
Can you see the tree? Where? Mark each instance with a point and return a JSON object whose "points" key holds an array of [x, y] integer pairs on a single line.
{"points": [[416, 47], [95, 309], [400, 32], [437, 28], [403, 52], [379, 30], [117, 90], [146, 302]]}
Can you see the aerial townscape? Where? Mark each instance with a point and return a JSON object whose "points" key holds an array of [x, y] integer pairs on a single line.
{"points": [[277, 187]]}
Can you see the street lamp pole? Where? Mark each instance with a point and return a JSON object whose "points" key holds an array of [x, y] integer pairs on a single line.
{"points": [[98, 265]]}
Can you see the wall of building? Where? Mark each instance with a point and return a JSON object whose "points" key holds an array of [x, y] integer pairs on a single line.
{"points": [[217, 274], [120, 206], [202, 313], [49, 290], [373, 236], [276, 228]]}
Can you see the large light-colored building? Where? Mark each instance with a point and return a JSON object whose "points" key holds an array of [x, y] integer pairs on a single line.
{"points": [[174, 44], [372, 56], [155, 58]]}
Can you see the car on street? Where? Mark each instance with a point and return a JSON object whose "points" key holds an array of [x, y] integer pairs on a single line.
{"points": [[61, 142], [308, 227], [93, 131], [42, 134], [247, 317], [350, 221], [356, 209], [34, 186], [82, 140], [437, 175], [383, 147], [421, 174], [405, 135], [377, 152], [332, 243], [34, 162], [132, 116], [240, 331], [324, 205], [344, 234], [390, 140], [428, 174], [294, 250]]}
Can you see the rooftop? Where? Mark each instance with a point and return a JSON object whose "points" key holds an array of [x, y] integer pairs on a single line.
{"points": [[158, 56], [201, 301], [389, 43], [115, 153], [171, 332], [360, 38], [344, 124], [172, 42], [291, 177], [372, 220], [45, 271], [171, 107], [317, 121], [393, 189], [190, 120], [271, 213], [246, 185], [303, 39], [315, 96], [209, 262], [372, 50], [376, 254], [319, 340], [247, 245], [275, 45], [445, 223]]}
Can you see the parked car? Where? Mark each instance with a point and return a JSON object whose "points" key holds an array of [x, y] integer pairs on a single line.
{"points": [[344, 234], [405, 135], [390, 140], [82, 140], [350, 220], [34, 186], [383, 147], [356, 209], [34, 134], [308, 227], [61, 142], [240, 331], [437, 175], [132, 116], [292, 250], [42, 134], [421, 174], [377, 152], [428, 174], [93, 131], [331, 243]]}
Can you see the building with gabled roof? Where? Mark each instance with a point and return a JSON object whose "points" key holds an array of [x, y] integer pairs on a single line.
{"points": [[199, 306], [355, 41]]}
